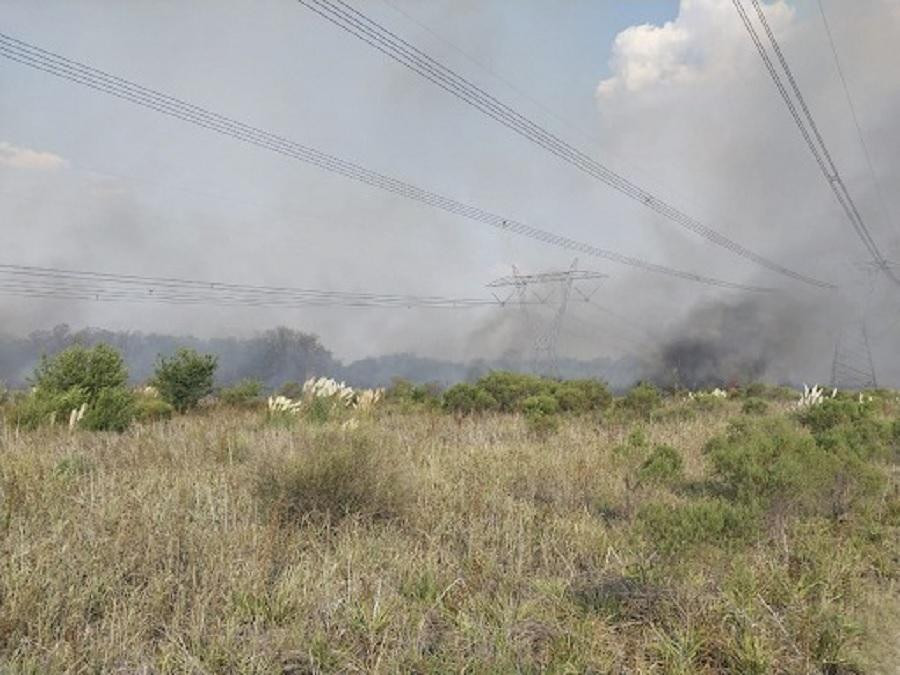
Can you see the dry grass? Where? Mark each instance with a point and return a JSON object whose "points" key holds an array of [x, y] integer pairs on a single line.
{"points": [[199, 545]]}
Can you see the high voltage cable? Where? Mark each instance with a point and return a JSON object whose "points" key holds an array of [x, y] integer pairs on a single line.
{"points": [[811, 135], [60, 66], [22, 279], [371, 32], [850, 104]]}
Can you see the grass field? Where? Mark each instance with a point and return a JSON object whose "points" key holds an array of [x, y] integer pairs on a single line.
{"points": [[220, 542]]}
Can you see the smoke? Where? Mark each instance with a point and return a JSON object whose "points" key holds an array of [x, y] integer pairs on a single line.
{"points": [[685, 108]]}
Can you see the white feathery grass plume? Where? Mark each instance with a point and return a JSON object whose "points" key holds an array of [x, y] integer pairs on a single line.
{"points": [[813, 396], [367, 398], [719, 393], [282, 404], [77, 415], [350, 424]]}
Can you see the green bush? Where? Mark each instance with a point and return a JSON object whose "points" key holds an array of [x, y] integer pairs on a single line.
{"points": [[755, 406], [183, 379], [334, 478], [409, 396], [246, 393], [90, 370], [466, 399], [42, 407], [292, 390], [663, 465], [541, 414], [151, 408], [111, 410], [675, 529], [641, 400], [770, 462], [582, 395], [832, 412], [509, 390]]}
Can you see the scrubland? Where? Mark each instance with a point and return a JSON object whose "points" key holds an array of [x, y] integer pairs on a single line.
{"points": [[684, 536]]}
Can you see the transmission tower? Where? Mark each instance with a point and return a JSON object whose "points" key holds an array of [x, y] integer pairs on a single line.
{"points": [[852, 366], [558, 287]]}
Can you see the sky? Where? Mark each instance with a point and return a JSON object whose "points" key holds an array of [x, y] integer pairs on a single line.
{"points": [[670, 94]]}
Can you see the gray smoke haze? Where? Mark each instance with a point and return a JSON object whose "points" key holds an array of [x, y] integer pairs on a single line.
{"points": [[672, 95]]}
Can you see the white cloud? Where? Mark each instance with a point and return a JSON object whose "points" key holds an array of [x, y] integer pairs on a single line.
{"points": [[705, 39], [26, 158]]}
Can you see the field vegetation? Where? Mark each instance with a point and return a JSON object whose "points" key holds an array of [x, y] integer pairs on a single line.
{"points": [[513, 524]]}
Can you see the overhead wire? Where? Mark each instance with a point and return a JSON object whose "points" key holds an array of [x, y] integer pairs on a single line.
{"points": [[75, 284], [35, 57], [859, 132], [371, 32], [810, 133]]}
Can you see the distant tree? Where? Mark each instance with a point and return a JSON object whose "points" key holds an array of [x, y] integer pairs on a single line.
{"points": [[185, 378]]}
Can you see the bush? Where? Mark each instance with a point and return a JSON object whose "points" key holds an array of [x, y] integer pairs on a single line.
{"points": [[245, 393], [292, 390], [832, 412], [112, 410], [641, 400], [674, 529], [41, 407], [582, 395], [755, 406], [151, 409], [541, 414], [410, 396], [772, 462], [509, 390], [663, 465], [90, 370], [185, 378], [466, 399], [334, 478]]}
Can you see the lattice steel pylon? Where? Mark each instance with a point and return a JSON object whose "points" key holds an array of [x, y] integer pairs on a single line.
{"points": [[544, 348], [852, 366]]}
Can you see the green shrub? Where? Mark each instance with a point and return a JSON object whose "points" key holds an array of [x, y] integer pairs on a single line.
{"points": [[541, 414], [319, 409], [151, 409], [409, 396], [831, 412], [641, 400], [111, 410], [753, 390], [185, 378], [582, 395], [509, 390], [246, 393], [40, 407], [771, 462], [466, 399], [91, 370], [334, 478], [675, 529], [755, 406], [292, 390], [663, 465]]}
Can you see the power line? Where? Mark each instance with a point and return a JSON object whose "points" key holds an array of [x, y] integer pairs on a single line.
{"points": [[68, 69], [371, 32], [811, 135], [36, 281], [859, 132]]}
